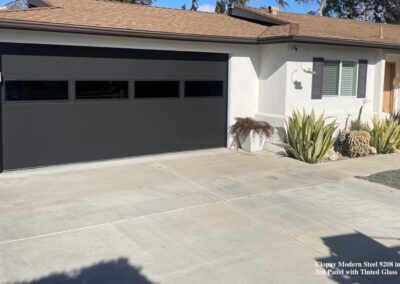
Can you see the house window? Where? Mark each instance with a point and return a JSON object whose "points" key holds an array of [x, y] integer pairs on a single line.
{"points": [[339, 78], [204, 88], [36, 90], [348, 79], [156, 89], [330, 79], [92, 90]]}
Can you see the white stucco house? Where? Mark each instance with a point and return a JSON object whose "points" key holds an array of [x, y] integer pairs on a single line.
{"points": [[93, 79]]}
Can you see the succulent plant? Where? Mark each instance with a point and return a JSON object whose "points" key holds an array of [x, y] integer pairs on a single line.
{"points": [[308, 138], [356, 143], [385, 135], [395, 116]]}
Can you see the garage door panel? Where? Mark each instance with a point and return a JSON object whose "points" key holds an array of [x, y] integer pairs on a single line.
{"points": [[56, 133], [41, 133], [76, 67]]}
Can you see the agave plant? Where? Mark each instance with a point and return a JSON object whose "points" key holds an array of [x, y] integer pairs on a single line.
{"points": [[308, 138], [385, 135], [395, 116], [243, 126]]}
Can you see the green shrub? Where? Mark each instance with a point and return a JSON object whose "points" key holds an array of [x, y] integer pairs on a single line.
{"points": [[308, 138], [356, 143], [358, 125], [385, 135], [395, 116], [340, 139]]}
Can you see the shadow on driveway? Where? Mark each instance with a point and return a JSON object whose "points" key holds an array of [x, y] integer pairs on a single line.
{"points": [[388, 178], [364, 257], [112, 272]]}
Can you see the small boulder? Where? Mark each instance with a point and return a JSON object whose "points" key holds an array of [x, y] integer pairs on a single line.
{"points": [[334, 156], [372, 150]]}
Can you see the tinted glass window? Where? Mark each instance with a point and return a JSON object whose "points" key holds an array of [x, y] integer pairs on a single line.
{"points": [[156, 89], [101, 90], [36, 90], [204, 88]]}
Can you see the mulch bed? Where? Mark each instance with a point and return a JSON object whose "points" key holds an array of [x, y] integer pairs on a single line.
{"points": [[389, 178]]}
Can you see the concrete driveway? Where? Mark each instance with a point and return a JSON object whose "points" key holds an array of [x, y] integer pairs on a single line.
{"points": [[203, 217]]}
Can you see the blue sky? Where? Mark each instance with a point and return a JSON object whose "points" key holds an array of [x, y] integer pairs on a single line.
{"points": [[208, 5]]}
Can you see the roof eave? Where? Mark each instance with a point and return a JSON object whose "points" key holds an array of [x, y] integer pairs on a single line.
{"points": [[242, 12], [345, 42], [192, 37]]}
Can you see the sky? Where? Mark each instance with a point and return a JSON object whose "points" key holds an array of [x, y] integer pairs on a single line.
{"points": [[209, 5]]}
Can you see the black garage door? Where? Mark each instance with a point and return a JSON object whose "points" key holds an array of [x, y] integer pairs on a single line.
{"points": [[68, 104]]}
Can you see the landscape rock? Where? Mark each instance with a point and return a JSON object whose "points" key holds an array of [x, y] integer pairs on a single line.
{"points": [[330, 152], [372, 150], [334, 157]]}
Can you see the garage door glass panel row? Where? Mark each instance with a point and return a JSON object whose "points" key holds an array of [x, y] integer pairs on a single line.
{"points": [[92, 90]]}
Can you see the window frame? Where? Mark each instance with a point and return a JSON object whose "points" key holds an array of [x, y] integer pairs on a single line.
{"points": [[76, 99], [6, 101], [340, 61]]}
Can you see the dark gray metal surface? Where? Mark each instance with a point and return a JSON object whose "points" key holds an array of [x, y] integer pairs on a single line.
{"points": [[1, 114], [318, 69], [48, 133], [362, 78]]}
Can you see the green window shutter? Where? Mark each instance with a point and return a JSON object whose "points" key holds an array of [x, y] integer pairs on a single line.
{"points": [[348, 79], [330, 82]]}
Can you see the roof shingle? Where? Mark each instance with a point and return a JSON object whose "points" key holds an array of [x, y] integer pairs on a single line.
{"points": [[333, 28], [103, 15], [108, 14]]}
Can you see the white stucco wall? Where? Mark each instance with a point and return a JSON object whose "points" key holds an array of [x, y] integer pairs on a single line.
{"points": [[279, 97], [339, 107], [273, 88], [243, 63]]}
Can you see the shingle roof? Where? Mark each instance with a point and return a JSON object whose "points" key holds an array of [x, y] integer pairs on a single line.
{"points": [[101, 16], [333, 28], [131, 17]]}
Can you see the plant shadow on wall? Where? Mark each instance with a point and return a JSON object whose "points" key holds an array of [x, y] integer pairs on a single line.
{"points": [[119, 271], [355, 248]]}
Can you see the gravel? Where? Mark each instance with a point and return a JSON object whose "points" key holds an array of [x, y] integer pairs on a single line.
{"points": [[389, 178]]}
